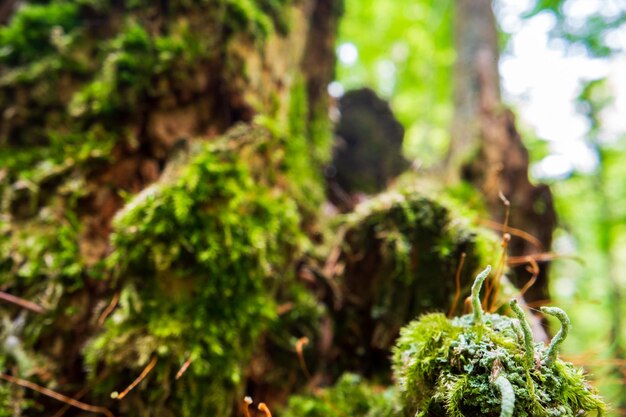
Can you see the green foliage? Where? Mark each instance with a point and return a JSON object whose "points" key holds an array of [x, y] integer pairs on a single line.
{"points": [[591, 209], [454, 368], [590, 31], [406, 54], [349, 397]]}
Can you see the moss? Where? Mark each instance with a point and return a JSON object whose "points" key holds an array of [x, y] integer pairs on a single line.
{"points": [[398, 247], [28, 37], [454, 368], [200, 256], [211, 246], [302, 139], [351, 396]]}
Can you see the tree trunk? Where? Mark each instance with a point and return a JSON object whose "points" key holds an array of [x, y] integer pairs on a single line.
{"points": [[133, 135], [487, 145]]}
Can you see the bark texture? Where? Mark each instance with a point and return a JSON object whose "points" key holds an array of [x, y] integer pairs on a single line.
{"points": [[487, 144], [154, 161]]}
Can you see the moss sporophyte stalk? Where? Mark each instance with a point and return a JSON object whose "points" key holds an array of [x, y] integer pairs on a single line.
{"points": [[484, 364]]}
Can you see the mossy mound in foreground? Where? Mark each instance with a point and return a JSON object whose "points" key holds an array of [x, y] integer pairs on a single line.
{"points": [[474, 365], [488, 365]]}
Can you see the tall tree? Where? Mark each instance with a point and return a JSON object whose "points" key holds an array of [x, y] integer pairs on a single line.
{"points": [[485, 141]]}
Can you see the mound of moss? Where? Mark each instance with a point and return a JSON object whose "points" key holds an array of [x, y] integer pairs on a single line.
{"points": [[399, 255], [488, 365], [200, 257]]}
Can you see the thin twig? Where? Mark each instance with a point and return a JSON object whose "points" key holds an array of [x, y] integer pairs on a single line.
{"points": [[284, 308], [66, 407], [534, 269], [81, 393], [140, 378], [513, 231], [506, 239], [299, 345], [540, 257], [107, 311], [29, 305], [457, 281], [494, 283], [183, 368], [52, 394], [467, 304], [507, 211]]}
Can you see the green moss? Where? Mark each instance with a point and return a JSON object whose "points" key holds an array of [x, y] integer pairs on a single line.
{"points": [[301, 151], [349, 397], [200, 256], [452, 368], [28, 37]]}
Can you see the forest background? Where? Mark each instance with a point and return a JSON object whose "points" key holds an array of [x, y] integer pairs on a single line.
{"points": [[167, 171], [562, 71]]}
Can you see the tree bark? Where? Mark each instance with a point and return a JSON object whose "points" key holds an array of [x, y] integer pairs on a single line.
{"points": [[105, 115], [486, 144]]}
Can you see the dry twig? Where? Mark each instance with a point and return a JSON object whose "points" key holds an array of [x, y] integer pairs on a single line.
{"points": [[52, 394], [28, 305], [140, 378]]}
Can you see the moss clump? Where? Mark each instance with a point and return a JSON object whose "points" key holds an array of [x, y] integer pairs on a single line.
{"points": [[200, 256], [351, 396], [487, 365], [401, 251]]}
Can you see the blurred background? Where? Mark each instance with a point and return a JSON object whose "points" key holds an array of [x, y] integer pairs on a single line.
{"points": [[206, 199], [563, 72]]}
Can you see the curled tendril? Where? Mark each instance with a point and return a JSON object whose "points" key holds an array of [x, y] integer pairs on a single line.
{"points": [[555, 344], [529, 343], [507, 394], [478, 283]]}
